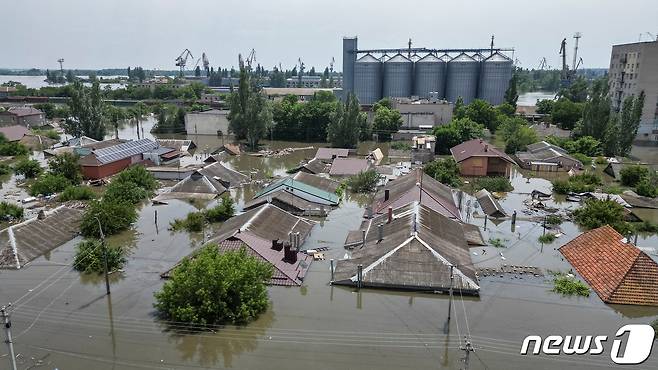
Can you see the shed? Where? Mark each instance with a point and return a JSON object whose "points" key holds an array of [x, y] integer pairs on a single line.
{"points": [[489, 204], [478, 158], [110, 160]]}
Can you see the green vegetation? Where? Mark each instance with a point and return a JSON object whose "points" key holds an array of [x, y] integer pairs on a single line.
{"points": [[497, 243], [601, 160], [568, 286], [483, 113], [139, 176], [646, 227], [171, 119], [348, 124], [553, 220], [48, 184], [30, 168], [215, 288], [86, 106], [547, 238], [5, 169], [537, 79], [9, 212], [401, 145], [127, 191], [584, 182], [51, 134], [631, 175], [364, 182], [304, 121], [250, 113], [648, 186], [77, 193], [456, 132], [517, 134], [585, 160], [114, 217], [340, 190], [566, 113], [544, 106], [612, 189], [66, 165], [386, 121], [90, 254], [596, 213], [13, 148], [195, 221], [494, 184], [446, 171]]}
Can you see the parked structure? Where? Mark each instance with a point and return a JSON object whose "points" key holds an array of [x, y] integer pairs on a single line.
{"points": [[271, 235], [543, 156], [209, 122], [348, 166], [110, 160], [634, 69], [411, 247], [478, 158], [617, 271], [23, 116]]}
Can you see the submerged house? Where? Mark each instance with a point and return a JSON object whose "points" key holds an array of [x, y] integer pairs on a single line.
{"points": [[329, 154], [411, 247], [314, 166], [543, 156], [416, 187], [348, 166], [208, 182], [23, 242], [478, 158], [272, 235], [109, 160], [617, 271], [489, 204]]}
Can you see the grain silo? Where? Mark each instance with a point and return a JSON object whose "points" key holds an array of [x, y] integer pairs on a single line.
{"points": [[462, 79], [495, 75], [398, 75], [430, 77], [368, 79]]}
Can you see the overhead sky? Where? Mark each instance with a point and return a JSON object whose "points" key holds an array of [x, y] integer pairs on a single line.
{"points": [[152, 33]]}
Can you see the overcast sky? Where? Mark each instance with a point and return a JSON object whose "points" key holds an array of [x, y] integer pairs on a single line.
{"points": [[152, 33]]}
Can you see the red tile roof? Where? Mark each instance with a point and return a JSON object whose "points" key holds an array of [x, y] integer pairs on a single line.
{"points": [[14, 133], [477, 148], [617, 271]]}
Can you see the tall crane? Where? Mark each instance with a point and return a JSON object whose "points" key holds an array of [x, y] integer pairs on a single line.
{"points": [[61, 65], [181, 61], [542, 64], [300, 74], [576, 36], [206, 63], [331, 65], [565, 68]]}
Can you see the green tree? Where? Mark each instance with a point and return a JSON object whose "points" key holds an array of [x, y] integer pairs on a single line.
{"points": [[596, 111], [48, 184], [114, 217], [197, 71], [343, 130], [364, 182], [483, 113], [70, 78], [386, 122], [86, 109], [30, 168], [446, 171], [456, 132], [67, 166], [631, 175], [610, 142], [544, 106], [250, 114], [596, 213], [566, 113], [631, 114], [517, 134], [511, 94], [9, 212], [215, 288], [90, 257], [139, 176], [577, 90], [459, 110]]}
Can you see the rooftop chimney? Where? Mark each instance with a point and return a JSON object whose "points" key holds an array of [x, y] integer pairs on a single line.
{"points": [[387, 194], [390, 214], [289, 255], [297, 241], [363, 238], [380, 232], [277, 244], [486, 147]]}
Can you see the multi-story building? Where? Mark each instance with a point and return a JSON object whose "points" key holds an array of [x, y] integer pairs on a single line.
{"points": [[22, 116], [633, 69]]}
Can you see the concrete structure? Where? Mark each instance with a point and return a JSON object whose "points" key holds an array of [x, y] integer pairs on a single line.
{"points": [[478, 158], [110, 160], [634, 69], [312, 82], [209, 122], [423, 114], [303, 93], [23, 116], [423, 148], [5, 91], [543, 156]]}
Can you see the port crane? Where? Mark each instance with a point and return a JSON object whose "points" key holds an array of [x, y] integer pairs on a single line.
{"points": [[61, 65], [181, 61], [300, 74], [567, 75]]}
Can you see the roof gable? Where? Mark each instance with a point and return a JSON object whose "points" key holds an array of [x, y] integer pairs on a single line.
{"points": [[477, 148]]}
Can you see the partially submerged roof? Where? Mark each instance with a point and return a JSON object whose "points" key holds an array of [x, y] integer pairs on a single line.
{"points": [[616, 270], [290, 202], [319, 182], [14, 133], [22, 243], [489, 204], [313, 166], [301, 188], [118, 152], [228, 177], [416, 252], [477, 148], [81, 141], [183, 146], [329, 153], [411, 188], [23, 111], [348, 166], [195, 186], [614, 168]]}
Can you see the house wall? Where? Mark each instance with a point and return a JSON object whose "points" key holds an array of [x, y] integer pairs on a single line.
{"points": [[98, 172], [474, 166], [498, 166], [197, 123]]}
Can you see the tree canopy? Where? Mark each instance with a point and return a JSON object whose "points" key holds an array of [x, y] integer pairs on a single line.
{"points": [[456, 132], [86, 108], [346, 124], [250, 114]]}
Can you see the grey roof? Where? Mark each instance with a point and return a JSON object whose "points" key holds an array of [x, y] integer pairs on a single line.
{"points": [[161, 150], [123, 150], [463, 57], [368, 58], [196, 185], [398, 58], [23, 111], [21, 243], [497, 57], [319, 182], [489, 204], [224, 174], [178, 144], [348, 166], [430, 58], [328, 153], [416, 252], [290, 202]]}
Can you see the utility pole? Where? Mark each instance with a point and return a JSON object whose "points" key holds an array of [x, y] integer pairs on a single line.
{"points": [[107, 278], [10, 343], [467, 348], [452, 278]]}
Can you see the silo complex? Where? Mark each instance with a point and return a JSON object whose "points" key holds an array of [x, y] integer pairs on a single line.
{"points": [[430, 77], [463, 74], [495, 75], [368, 79], [398, 74], [349, 58]]}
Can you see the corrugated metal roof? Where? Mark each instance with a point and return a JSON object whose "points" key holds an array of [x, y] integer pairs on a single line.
{"points": [[298, 186], [348, 166], [398, 58], [368, 58], [463, 57], [489, 204], [124, 150], [430, 58]]}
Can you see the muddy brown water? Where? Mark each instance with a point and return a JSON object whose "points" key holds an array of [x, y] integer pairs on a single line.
{"points": [[65, 320]]}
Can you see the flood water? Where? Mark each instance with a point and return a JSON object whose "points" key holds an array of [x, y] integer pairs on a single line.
{"points": [[65, 319]]}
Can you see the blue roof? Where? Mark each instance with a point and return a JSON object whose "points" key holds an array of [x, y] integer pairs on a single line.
{"points": [[299, 186]]}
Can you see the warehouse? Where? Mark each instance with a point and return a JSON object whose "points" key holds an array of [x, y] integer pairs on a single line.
{"points": [[110, 160]]}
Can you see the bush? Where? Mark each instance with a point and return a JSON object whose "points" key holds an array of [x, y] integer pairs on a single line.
{"points": [[601, 160], [596, 213], [561, 186], [140, 176], [553, 220], [5, 169], [215, 288], [585, 182], [569, 286], [77, 193], [446, 171], [29, 168], [400, 145], [66, 165], [585, 160], [547, 238], [497, 242], [90, 254], [114, 217], [48, 184], [646, 188], [51, 134], [364, 182], [13, 148], [222, 212], [125, 192], [612, 189], [586, 178], [193, 222], [497, 184], [631, 175], [10, 211]]}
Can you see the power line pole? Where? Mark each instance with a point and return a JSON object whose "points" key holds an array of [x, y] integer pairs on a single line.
{"points": [[467, 348], [452, 278], [10, 343], [107, 278]]}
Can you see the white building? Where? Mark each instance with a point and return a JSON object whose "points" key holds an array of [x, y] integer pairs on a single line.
{"points": [[210, 122]]}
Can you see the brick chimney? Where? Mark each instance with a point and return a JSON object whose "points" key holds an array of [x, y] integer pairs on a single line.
{"points": [[387, 194], [289, 255], [486, 147], [277, 244], [390, 214]]}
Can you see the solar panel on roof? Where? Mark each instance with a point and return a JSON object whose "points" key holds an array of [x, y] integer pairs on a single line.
{"points": [[124, 150]]}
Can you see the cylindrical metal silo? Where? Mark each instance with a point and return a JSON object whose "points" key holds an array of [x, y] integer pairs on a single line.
{"points": [[398, 74], [462, 80], [368, 79], [430, 77], [495, 75]]}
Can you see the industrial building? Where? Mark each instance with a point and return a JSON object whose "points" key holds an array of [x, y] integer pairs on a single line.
{"points": [[209, 122], [444, 74], [634, 69]]}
